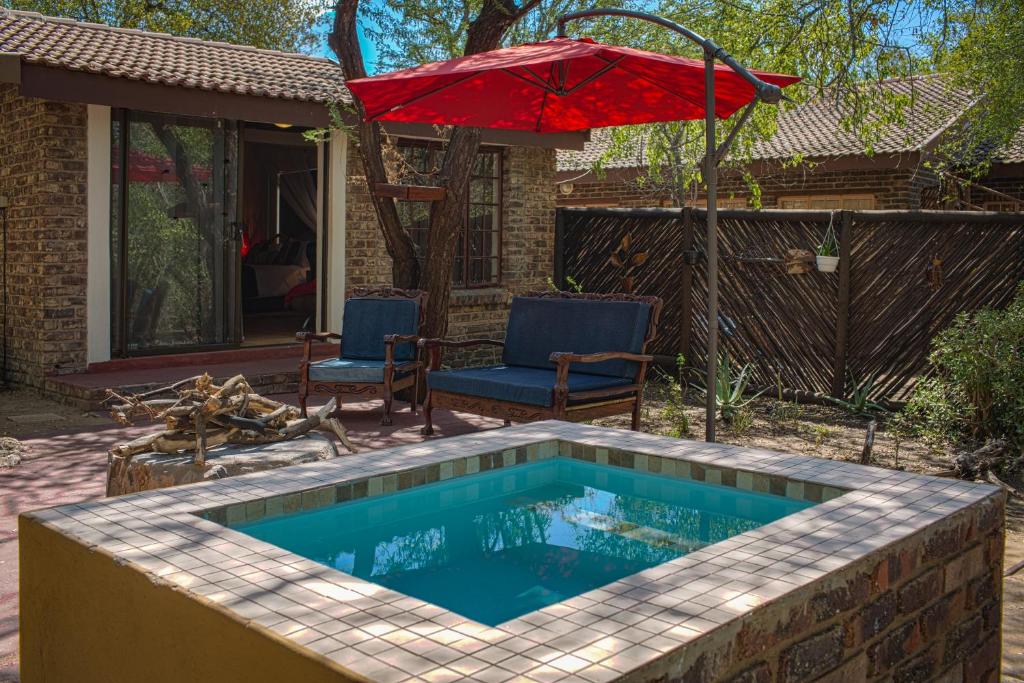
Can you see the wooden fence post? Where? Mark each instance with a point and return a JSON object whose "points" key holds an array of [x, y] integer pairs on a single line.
{"points": [[686, 286], [843, 305], [559, 269]]}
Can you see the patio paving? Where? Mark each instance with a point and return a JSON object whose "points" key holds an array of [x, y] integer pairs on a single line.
{"points": [[70, 467]]}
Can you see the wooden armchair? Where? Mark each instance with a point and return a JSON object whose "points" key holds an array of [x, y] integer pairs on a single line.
{"points": [[565, 356], [378, 352]]}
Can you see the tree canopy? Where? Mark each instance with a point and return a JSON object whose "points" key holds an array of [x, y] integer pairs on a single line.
{"points": [[274, 24], [843, 49]]}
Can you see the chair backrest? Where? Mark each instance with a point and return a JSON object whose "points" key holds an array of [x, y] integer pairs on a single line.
{"points": [[541, 324], [371, 314]]}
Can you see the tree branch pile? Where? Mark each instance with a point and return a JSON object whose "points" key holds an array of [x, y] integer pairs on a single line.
{"points": [[199, 415]]}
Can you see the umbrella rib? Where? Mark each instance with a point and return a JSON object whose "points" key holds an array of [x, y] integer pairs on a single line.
{"points": [[655, 83], [540, 114], [594, 76], [538, 83], [417, 98]]}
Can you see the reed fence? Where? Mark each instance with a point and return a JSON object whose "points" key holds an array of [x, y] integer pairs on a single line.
{"points": [[902, 277]]}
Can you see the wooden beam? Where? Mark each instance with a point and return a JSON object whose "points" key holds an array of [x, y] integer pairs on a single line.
{"points": [[410, 193], [843, 306], [10, 67]]}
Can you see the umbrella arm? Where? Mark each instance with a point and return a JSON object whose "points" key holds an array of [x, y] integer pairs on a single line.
{"points": [[766, 92], [713, 155]]}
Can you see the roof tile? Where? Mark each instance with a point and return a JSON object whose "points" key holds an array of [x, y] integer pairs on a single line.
{"points": [[169, 60], [814, 129]]}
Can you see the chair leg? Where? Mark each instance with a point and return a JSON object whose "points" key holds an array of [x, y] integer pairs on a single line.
{"points": [[388, 398], [635, 424], [415, 392], [508, 423], [303, 395], [336, 413], [428, 422]]}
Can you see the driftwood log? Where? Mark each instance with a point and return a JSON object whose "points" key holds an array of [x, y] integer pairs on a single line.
{"points": [[199, 415]]}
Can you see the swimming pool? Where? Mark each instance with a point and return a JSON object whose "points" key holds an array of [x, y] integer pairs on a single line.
{"points": [[496, 545]]}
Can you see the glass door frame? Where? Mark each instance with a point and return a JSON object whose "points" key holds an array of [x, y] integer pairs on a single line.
{"points": [[230, 289]]}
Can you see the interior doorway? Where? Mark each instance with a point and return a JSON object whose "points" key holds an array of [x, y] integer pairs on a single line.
{"points": [[278, 219]]}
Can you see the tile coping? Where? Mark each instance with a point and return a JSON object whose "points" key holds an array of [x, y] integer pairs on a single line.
{"points": [[179, 536]]}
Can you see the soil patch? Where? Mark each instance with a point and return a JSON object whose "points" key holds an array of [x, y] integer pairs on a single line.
{"points": [[25, 413]]}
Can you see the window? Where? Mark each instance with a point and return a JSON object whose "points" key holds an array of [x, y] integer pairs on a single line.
{"points": [[478, 254], [828, 201]]}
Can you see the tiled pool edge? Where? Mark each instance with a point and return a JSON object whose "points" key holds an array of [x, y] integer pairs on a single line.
{"points": [[405, 479], [648, 638]]}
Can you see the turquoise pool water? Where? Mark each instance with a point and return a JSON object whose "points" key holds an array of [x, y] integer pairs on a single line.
{"points": [[496, 545]]}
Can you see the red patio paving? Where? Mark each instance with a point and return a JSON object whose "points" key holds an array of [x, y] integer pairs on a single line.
{"points": [[70, 467]]}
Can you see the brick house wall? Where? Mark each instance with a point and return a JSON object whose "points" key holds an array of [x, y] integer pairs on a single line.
{"points": [[892, 188], [43, 169], [43, 175], [528, 243]]}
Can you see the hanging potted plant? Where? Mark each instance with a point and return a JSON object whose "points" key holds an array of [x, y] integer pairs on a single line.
{"points": [[827, 256]]}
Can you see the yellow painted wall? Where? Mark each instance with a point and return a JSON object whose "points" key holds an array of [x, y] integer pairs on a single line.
{"points": [[86, 619]]}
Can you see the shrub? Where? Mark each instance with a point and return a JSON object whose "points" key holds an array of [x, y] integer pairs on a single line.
{"points": [[977, 390], [674, 396]]}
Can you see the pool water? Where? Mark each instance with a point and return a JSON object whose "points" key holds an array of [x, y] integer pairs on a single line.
{"points": [[496, 545]]}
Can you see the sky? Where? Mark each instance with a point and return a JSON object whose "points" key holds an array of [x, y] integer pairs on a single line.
{"points": [[369, 49]]}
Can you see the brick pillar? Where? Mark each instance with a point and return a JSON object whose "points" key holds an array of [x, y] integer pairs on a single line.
{"points": [[43, 175]]}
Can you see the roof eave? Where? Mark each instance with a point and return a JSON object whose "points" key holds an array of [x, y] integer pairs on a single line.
{"points": [[65, 85], [10, 67]]}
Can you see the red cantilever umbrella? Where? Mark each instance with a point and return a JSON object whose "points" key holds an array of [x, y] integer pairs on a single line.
{"points": [[558, 85], [565, 85]]}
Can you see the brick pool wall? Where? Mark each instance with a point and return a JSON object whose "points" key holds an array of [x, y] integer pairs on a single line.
{"points": [[929, 610], [893, 577]]}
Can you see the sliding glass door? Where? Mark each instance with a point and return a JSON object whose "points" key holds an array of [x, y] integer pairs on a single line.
{"points": [[173, 248]]}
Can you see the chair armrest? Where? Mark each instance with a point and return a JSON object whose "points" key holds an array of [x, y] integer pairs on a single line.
{"points": [[307, 338], [401, 338], [317, 336], [567, 357], [453, 344], [564, 358], [433, 348], [389, 345]]}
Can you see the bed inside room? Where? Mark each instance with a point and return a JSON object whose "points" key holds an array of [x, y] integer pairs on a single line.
{"points": [[278, 274]]}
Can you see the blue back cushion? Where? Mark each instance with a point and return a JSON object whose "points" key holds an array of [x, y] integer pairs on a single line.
{"points": [[537, 327], [368, 320]]}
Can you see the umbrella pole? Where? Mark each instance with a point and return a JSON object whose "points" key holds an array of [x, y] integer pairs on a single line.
{"points": [[711, 178], [764, 92]]}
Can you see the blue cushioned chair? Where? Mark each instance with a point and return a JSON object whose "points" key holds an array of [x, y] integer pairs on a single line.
{"points": [[565, 355], [378, 354]]}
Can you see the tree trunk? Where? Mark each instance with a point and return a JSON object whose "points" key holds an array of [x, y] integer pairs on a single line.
{"points": [[448, 216], [344, 40]]}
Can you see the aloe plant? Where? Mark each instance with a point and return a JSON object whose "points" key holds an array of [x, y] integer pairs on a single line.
{"points": [[859, 403], [830, 244], [730, 389]]}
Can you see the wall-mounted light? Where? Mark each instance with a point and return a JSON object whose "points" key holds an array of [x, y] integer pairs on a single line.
{"points": [[283, 125], [566, 188]]}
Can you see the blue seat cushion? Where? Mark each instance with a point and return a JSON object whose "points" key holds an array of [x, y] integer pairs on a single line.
{"points": [[537, 327], [366, 322], [515, 384], [349, 370]]}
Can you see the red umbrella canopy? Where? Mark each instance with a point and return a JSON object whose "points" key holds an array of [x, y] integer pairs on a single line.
{"points": [[559, 85]]}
